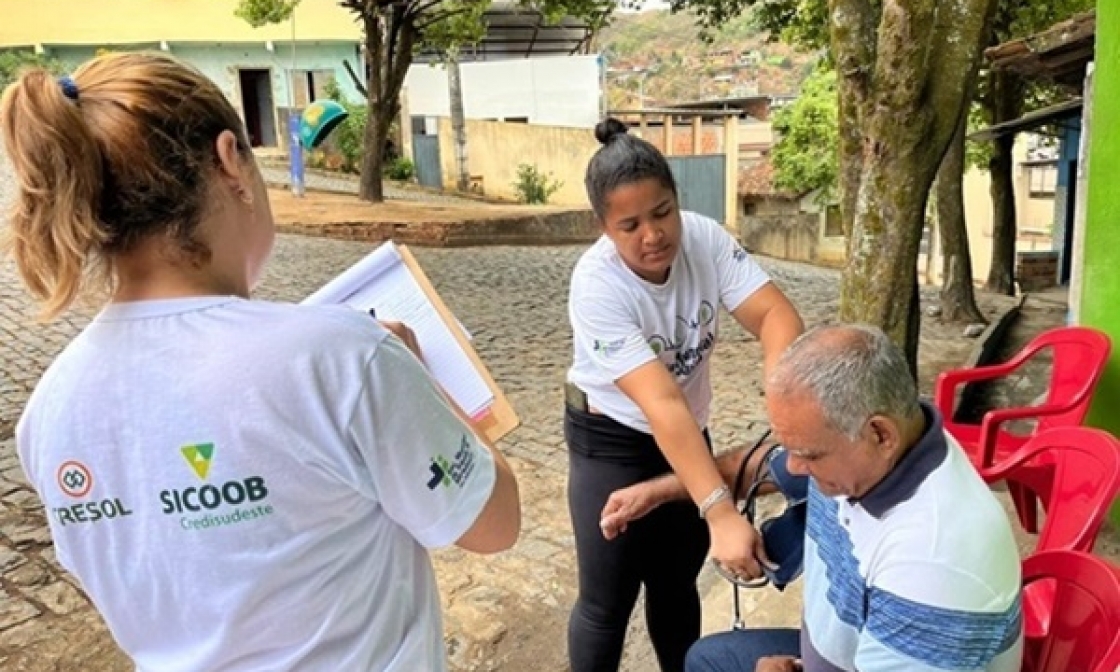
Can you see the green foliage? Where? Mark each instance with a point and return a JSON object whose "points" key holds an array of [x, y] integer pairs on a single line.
{"points": [[13, 62], [533, 186], [802, 23], [805, 156], [400, 169], [259, 13], [349, 137], [408, 27]]}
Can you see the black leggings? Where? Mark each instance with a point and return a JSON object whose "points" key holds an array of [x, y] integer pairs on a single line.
{"points": [[664, 551]]}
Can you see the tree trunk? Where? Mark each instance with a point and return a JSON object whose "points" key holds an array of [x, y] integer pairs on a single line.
{"points": [[389, 43], [879, 284], [370, 187], [958, 302], [1001, 274], [905, 70], [1005, 97]]}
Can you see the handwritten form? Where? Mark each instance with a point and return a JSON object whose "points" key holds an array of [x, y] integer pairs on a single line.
{"points": [[382, 282]]}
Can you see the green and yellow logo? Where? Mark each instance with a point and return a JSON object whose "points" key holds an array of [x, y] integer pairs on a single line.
{"points": [[211, 505], [199, 457]]}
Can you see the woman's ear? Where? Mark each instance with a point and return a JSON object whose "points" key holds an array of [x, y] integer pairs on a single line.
{"points": [[231, 165]]}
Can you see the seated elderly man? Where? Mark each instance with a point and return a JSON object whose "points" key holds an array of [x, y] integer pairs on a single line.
{"points": [[910, 563]]}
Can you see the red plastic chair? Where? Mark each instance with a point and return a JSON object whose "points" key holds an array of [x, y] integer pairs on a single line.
{"points": [[1081, 484], [1084, 632], [1078, 486], [1079, 355]]}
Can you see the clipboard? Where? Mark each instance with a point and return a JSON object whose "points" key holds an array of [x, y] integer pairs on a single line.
{"points": [[391, 277], [499, 419]]}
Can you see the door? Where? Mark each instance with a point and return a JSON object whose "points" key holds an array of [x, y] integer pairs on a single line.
{"points": [[425, 149], [258, 107], [702, 184]]}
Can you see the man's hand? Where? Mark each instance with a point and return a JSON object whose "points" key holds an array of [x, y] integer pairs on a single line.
{"points": [[628, 504], [778, 664], [401, 331]]}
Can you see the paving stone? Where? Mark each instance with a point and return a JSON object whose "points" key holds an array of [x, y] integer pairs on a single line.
{"points": [[10, 559], [28, 533], [61, 598], [30, 575], [14, 611]]}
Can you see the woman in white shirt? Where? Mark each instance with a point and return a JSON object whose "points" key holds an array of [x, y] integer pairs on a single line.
{"points": [[237, 484], [643, 308]]}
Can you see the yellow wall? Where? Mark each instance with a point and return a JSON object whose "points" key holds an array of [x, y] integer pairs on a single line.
{"points": [[496, 148], [106, 22], [1032, 214]]}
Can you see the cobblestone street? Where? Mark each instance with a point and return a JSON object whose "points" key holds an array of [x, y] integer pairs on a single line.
{"points": [[507, 612]]}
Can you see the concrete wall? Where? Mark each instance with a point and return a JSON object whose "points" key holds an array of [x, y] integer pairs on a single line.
{"points": [[495, 149], [221, 63], [556, 91], [1035, 218], [790, 236]]}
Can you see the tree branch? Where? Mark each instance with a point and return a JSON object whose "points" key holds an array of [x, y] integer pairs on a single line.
{"points": [[419, 8], [961, 32], [358, 83], [853, 33], [902, 61], [441, 16]]}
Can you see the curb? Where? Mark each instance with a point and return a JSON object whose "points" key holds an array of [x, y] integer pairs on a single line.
{"points": [[984, 352], [989, 341]]}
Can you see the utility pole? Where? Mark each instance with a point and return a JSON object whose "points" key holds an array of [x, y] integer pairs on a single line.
{"points": [[458, 124], [295, 150]]}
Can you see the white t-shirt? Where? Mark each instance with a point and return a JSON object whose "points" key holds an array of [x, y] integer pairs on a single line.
{"points": [[620, 321], [242, 485]]}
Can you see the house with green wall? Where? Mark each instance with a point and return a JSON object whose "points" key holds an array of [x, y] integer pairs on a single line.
{"points": [[263, 71]]}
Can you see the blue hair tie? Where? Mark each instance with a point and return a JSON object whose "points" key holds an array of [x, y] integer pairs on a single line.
{"points": [[69, 88]]}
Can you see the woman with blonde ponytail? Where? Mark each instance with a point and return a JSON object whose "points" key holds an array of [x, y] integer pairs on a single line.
{"points": [[237, 484]]}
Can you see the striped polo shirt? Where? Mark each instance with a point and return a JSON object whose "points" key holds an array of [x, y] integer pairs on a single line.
{"points": [[921, 573]]}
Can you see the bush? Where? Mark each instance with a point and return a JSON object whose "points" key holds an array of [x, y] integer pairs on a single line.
{"points": [[12, 63], [533, 186], [349, 137], [400, 169]]}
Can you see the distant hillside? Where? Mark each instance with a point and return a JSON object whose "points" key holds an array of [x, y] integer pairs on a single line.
{"points": [[678, 66]]}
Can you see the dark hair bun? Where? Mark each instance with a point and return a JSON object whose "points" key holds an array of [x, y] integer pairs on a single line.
{"points": [[609, 129]]}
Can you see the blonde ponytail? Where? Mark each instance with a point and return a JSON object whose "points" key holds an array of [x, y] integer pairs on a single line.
{"points": [[121, 152], [53, 234]]}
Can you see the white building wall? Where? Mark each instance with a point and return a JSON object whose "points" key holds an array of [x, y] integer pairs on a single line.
{"points": [[556, 91]]}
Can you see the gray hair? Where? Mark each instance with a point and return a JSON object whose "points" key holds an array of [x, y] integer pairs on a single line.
{"points": [[852, 371], [623, 159]]}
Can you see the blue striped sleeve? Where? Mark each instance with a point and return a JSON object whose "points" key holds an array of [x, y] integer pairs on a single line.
{"points": [[939, 637]]}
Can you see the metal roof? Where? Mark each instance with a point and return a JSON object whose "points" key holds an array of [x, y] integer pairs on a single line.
{"points": [[516, 32], [1031, 120], [1059, 53]]}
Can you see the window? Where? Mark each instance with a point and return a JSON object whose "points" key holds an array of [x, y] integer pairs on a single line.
{"points": [[1043, 179], [309, 86], [833, 224]]}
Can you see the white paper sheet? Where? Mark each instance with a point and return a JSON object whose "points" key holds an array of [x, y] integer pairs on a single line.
{"points": [[382, 282]]}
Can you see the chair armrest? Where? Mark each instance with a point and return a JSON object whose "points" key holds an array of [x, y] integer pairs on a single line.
{"points": [[945, 387], [993, 419], [948, 381]]}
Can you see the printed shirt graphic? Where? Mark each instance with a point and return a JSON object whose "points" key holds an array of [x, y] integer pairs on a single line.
{"points": [[198, 491], [620, 321]]}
